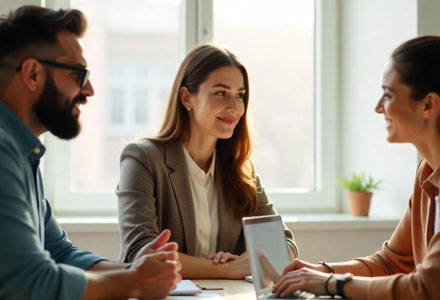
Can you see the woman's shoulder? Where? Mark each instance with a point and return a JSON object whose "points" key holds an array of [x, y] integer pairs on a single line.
{"points": [[151, 147], [145, 146]]}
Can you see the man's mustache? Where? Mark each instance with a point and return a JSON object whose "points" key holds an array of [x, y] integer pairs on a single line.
{"points": [[80, 99]]}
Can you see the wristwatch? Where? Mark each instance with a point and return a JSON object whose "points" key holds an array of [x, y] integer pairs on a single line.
{"points": [[341, 280]]}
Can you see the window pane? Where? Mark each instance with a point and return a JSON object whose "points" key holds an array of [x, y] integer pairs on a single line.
{"points": [[141, 107], [275, 41], [117, 107], [131, 47]]}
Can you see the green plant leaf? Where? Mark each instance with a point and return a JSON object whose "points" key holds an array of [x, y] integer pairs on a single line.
{"points": [[359, 183]]}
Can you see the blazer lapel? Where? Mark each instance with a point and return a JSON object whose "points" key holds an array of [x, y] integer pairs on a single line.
{"points": [[175, 160], [228, 228]]}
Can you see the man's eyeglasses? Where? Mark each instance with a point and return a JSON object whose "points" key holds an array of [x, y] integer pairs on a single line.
{"points": [[83, 73]]}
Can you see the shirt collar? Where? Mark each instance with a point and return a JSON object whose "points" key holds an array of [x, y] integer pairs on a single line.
{"points": [[27, 143], [429, 177], [194, 169]]}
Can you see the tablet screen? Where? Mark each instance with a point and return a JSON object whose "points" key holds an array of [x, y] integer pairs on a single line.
{"points": [[267, 249]]}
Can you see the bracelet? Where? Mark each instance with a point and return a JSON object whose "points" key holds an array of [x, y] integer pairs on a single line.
{"points": [[330, 269], [128, 266], [326, 285]]}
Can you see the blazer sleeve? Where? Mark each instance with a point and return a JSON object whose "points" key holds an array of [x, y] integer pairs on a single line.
{"points": [[265, 207], [136, 201]]}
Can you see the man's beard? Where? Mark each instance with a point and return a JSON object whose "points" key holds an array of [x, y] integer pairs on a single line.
{"points": [[56, 112]]}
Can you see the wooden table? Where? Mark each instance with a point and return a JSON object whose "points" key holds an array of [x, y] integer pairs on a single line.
{"points": [[232, 290]]}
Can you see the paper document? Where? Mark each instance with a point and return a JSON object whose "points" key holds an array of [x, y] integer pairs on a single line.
{"points": [[204, 296], [185, 287]]}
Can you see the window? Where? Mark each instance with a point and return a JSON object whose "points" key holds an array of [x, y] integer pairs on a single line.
{"points": [[281, 74], [134, 58]]}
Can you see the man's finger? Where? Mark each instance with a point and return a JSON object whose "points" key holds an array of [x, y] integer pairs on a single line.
{"points": [[172, 246], [165, 255], [160, 240], [177, 265]]}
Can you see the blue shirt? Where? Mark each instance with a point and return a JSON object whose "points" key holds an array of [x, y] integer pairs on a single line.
{"points": [[37, 261]]}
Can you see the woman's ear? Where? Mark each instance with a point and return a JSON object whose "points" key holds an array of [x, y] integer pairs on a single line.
{"points": [[32, 74], [185, 97], [431, 105]]}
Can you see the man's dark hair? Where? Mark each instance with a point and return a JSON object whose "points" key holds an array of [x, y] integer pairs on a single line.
{"points": [[31, 31]]}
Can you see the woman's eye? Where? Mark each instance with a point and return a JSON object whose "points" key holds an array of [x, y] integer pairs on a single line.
{"points": [[240, 95], [221, 93], [386, 96]]}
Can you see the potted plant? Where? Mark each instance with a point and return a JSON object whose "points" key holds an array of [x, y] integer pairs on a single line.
{"points": [[359, 191]]}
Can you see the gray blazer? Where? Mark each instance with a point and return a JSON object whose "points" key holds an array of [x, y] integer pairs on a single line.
{"points": [[154, 194]]}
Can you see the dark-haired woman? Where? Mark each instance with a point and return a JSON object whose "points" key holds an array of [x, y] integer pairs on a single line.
{"points": [[195, 177], [408, 266]]}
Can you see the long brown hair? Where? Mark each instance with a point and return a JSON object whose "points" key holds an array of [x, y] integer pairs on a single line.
{"points": [[238, 179]]}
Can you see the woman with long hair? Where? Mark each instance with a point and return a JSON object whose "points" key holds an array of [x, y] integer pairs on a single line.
{"points": [[408, 266], [195, 177]]}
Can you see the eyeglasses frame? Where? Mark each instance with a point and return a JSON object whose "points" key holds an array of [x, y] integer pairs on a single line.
{"points": [[83, 72]]}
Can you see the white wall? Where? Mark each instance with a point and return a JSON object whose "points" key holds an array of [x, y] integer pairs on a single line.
{"points": [[370, 30], [428, 17], [343, 244]]}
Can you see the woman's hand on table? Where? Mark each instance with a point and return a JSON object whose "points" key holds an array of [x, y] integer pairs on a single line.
{"points": [[297, 264], [238, 268], [221, 257], [303, 279], [301, 275]]}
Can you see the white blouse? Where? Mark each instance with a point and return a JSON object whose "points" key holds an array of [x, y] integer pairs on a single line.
{"points": [[205, 198]]}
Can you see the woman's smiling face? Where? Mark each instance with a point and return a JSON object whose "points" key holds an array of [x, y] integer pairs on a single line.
{"points": [[402, 114], [218, 104]]}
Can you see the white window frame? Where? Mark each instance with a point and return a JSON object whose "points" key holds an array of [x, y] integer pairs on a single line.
{"points": [[325, 198], [197, 28]]}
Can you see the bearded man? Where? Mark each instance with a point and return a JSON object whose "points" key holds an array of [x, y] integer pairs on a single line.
{"points": [[43, 82]]}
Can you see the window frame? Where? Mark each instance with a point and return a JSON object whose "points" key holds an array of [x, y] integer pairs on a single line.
{"points": [[197, 28]]}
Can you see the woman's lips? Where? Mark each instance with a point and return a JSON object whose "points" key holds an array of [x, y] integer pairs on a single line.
{"points": [[227, 120], [388, 122]]}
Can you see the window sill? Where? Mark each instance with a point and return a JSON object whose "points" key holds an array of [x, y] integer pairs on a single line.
{"points": [[303, 222], [89, 224], [323, 222]]}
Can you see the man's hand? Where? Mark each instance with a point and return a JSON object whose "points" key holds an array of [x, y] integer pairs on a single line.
{"points": [[160, 243], [156, 274], [152, 276], [156, 268]]}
